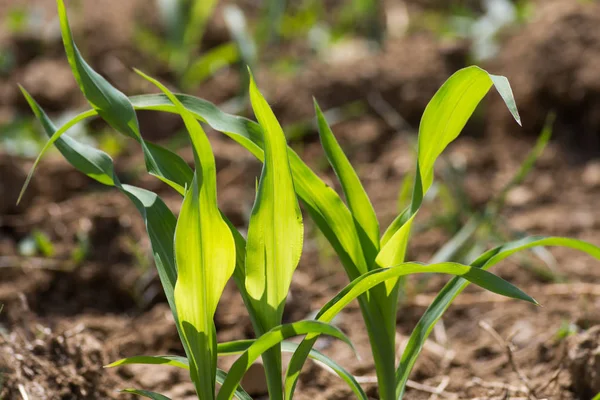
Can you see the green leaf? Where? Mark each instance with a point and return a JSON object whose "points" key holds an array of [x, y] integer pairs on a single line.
{"points": [[239, 346], [448, 111], [94, 163], [116, 109], [455, 286], [275, 232], [159, 220], [323, 204], [268, 340], [174, 361], [443, 120], [146, 393], [205, 256], [362, 210], [112, 105], [373, 278], [275, 235]]}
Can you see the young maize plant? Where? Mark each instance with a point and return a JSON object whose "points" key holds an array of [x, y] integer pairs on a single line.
{"points": [[196, 253]]}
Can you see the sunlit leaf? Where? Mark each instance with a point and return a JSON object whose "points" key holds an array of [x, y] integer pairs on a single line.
{"points": [[146, 393], [358, 201], [268, 340], [205, 256]]}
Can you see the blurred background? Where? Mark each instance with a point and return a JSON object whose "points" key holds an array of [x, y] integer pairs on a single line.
{"points": [[77, 278]]}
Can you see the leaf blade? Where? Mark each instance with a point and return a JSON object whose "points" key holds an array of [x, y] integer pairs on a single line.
{"points": [[358, 201], [204, 253], [266, 342], [453, 288], [275, 232]]}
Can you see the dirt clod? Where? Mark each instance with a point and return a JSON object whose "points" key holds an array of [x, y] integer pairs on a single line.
{"points": [[584, 362]]}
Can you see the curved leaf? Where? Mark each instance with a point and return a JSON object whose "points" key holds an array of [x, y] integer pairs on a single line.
{"points": [[444, 118], [455, 286], [373, 278], [323, 204], [173, 361], [160, 221], [275, 232], [146, 393], [239, 346], [205, 256], [358, 201], [116, 109], [272, 338]]}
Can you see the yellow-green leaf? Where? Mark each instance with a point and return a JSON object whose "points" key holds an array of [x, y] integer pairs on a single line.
{"points": [[275, 233], [205, 256], [362, 210]]}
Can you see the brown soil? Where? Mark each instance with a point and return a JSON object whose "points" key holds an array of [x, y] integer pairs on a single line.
{"points": [[63, 320]]}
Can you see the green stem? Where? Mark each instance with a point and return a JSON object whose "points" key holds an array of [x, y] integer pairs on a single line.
{"points": [[382, 338], [272, 363]]}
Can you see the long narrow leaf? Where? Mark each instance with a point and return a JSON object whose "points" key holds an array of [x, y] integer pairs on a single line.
{"points": [[160, 221], [239, 347], [272, 338], [358, 201], [205, 256], [373, 278], [324, 205], [173, 361], [275, 233], [146, 393], [443, 120], [455, 286], [116, 109]]}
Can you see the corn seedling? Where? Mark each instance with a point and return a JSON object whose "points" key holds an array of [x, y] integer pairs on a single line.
{"points": [[198, 252]]}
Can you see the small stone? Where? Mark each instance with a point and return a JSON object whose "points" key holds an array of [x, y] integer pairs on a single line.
{"points": [[150, 376], [519, 196], [524, 333], [591, 175]]}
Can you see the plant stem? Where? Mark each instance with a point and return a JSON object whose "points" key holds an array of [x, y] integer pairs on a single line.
{"points": [[383, 346], [272, 363]]}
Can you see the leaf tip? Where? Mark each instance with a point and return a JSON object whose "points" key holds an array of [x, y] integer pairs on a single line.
{"points": [[316, 105], [25, 185]]}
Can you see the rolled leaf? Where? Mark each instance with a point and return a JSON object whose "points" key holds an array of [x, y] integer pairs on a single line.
{"points": [[275, 232], [205, 256]]}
